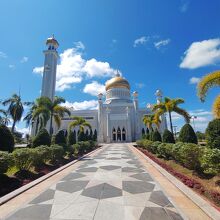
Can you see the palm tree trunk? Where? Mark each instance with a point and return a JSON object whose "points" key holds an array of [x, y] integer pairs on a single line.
{"points": [[171, 124], [13, 126], [51, 124]]}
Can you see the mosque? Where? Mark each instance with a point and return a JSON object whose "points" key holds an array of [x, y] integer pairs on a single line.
{"points": [[118, 117]]}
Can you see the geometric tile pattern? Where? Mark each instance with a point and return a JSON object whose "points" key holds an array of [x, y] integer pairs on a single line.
{"points": [[113, 184]]}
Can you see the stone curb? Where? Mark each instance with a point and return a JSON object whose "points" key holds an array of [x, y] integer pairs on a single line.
{"points": [[24, 188], [212, 212]]}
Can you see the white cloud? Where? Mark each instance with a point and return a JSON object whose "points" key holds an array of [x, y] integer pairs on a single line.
{"points": [[184, 6], [194, 80], [140, 41], [91, 104], [201, 121], [161, 43], [202, 53], [3, 55], [73, 68], [94, 88], [24, 131], [11, 66], [24, 59]]}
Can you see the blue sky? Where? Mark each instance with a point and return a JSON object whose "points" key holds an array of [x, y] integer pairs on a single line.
{"points": [[154, 43]]}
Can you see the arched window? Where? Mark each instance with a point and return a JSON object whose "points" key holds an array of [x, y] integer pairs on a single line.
{"points": [[123, 134], [118, 134], [114, 134]]}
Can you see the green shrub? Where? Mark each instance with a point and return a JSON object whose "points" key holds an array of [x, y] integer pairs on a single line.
{"points": [[81, 136], [156, 136], [189, 155], [213, 134], [168, 137], [38, 157], [42, 138], [187, 134], [6, 139], [164, 150], [6, 161], [23, 158], [60, 138], [83, 147], [45, 152], [56, 153], [71, 138], [95, 136], [153, 147], [210, 161], [176, 151]]}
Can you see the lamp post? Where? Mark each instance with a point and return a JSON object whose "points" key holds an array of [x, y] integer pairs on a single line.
{"points": [[193, 117]]}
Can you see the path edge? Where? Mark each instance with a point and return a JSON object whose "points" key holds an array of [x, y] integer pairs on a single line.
{"points": [[198, 200], [30, 185]]}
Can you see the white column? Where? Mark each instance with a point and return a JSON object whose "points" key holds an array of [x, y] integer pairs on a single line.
{"points": [[100, 123], [108, 125], [128, 131]]}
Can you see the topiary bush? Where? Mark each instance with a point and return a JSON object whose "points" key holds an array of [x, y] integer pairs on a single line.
{"points": [[6, 139], [71, 138], [176, 151], [60, 138], [168, 137], [210, 161], [42, 138], [94, 138], [156, 136], [81, 136], [187, 135], [213, 134], [6, 161], [23, 158]]}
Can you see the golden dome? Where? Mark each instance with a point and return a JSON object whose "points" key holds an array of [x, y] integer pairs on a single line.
{"points": [[117, 82]]}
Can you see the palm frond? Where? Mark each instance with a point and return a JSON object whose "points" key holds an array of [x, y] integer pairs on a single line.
{"points": [[216, 107], [182, 112], [57, 120], [207, 82]]}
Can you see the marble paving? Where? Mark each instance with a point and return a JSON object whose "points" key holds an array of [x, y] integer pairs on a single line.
{"points": [[112, 185]]}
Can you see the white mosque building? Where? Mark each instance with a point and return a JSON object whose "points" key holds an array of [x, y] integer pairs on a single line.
{"points": [[118, 117]]}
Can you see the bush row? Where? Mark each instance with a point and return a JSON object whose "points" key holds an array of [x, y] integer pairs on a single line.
{"points": [[190, 155], [26, 158]]}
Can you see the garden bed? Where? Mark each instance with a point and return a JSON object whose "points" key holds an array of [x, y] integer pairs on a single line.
{"points": [[204, 185]]}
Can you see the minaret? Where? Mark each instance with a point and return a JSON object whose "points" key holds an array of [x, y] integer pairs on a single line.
{"points": [[137, 123], [100, 126], [50, 68]]}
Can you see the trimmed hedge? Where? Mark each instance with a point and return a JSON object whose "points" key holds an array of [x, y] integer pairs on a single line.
{"points": [[6, 160], [6, 139], [60, 138], [42, 138], [156, 136], [71, 138], [189, 155]]}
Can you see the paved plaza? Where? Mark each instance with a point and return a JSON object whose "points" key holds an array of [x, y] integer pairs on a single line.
{"points": [[110, 185]]}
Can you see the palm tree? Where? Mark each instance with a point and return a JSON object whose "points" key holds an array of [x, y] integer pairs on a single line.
{"points": [[207, 82], [149, 120], [80, 122], [4, 117], [171, 105], [15, 109], [38, 113], [44, 110]]}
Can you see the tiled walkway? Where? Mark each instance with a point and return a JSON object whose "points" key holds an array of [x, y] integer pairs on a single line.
{"points": [[110, 185]]}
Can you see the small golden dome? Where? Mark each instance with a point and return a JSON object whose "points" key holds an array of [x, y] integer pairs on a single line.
{"points": [[117, 82], [52, 40]]}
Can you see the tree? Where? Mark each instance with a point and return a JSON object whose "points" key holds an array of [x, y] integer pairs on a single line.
{"points": [[15, 109], [169, 106], [213, 134], [42, 138], [6, 139], [156, 136], [206, 83], [149, 120], [95, 135], [168, 137], [4, 119], [187, 134], [79, 122], [44, 109], [60, 137], [71, 138]]}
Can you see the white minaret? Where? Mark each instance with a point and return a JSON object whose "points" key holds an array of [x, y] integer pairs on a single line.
{"points": [[50, 68]]}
